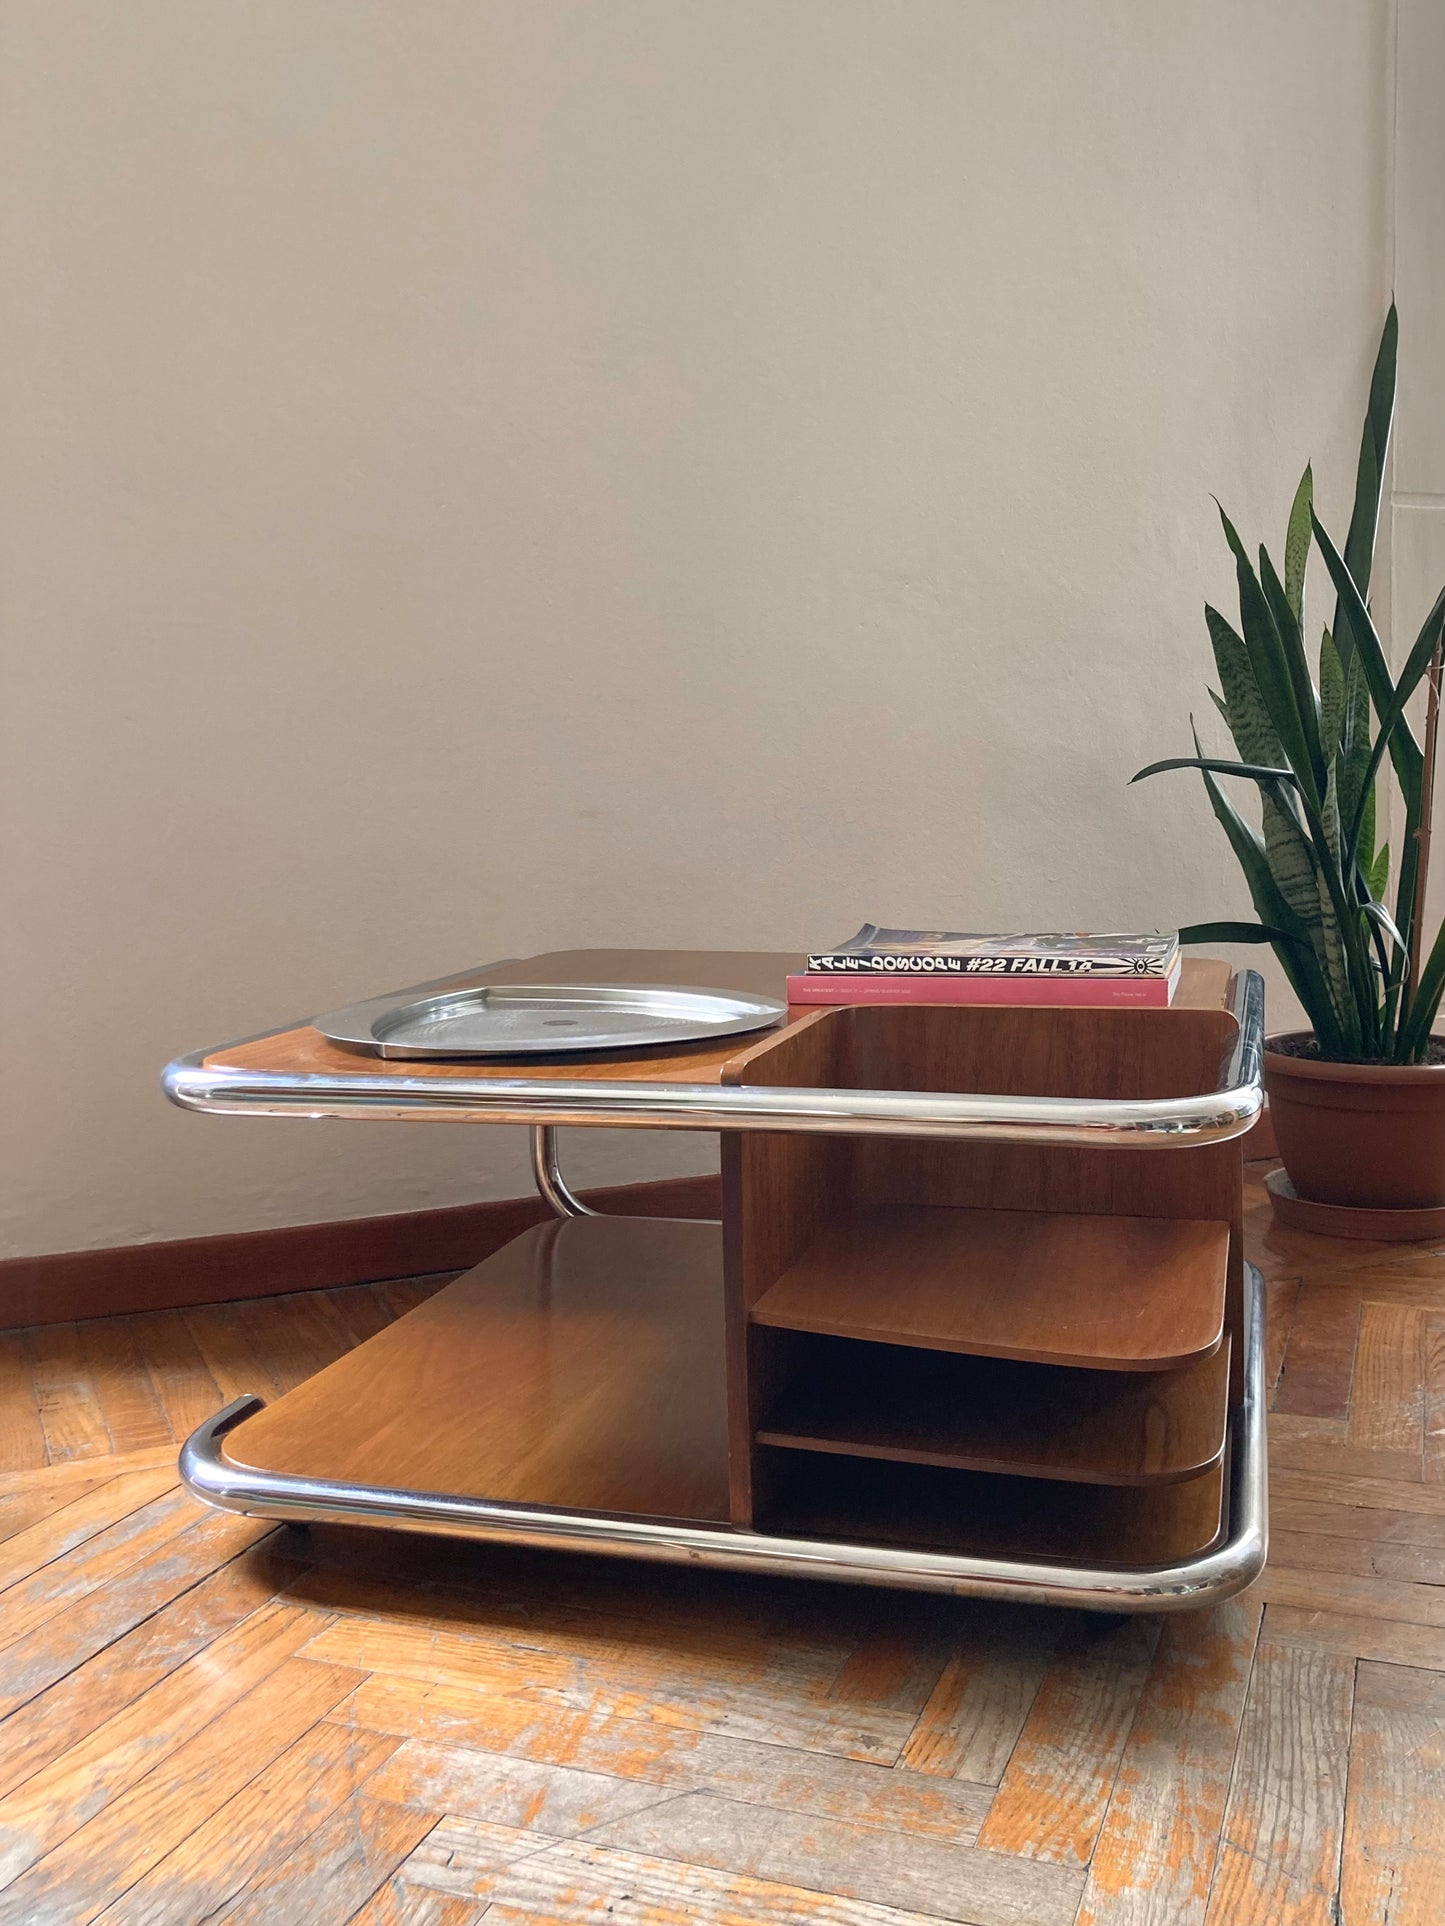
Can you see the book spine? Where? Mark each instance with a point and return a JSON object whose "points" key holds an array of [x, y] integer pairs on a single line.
{"points": [[894, 963], [1040, 992]]}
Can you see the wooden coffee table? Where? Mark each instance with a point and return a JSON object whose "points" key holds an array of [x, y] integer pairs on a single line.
{"points": [[977, 1318]]}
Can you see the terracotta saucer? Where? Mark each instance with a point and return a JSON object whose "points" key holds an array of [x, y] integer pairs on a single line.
{"points": [[1343, 1220]]}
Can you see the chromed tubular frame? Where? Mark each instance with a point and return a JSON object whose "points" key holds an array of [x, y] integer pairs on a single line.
{"points": [[552, 1186], [1186, 1585], [1158, 1123]]}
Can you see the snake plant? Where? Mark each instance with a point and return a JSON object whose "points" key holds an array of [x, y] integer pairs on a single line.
{"points": [[1319, 747]]}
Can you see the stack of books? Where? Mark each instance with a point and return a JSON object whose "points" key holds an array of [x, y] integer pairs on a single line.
{"points": [[943, 966]]}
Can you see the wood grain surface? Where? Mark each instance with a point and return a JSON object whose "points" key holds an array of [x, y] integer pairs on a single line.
{"points": [[932, 1407], [1393, 1861], [532, 1738], [1093, 1259], [1279, 1848], [1047, 1287], [874, 1501], [581, 1367], [303, 1050], [779, 1192]]}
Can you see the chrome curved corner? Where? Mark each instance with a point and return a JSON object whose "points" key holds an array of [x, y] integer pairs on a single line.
{"points": [[1157, 1123], [1192, 1583]]}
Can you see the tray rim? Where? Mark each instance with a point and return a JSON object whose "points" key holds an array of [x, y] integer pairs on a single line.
{"points": [[354, 1026]]}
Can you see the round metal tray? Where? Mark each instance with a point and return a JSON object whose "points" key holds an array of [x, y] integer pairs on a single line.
{"points": [[529, 1019]]}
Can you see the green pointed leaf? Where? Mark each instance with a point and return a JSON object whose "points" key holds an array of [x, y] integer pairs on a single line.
{"points": [[1364, 518], [1330, 817], [1291, 863], [1293, 867], [1347, 966], [1379, 924], [1271, 667], [1414, 1037], [1377, 877], [1365, 853], [1289, 860], [1377, 913], [1357, 802], [1332, 695], [1337, 973], [1219, 766], [1354, 752], [1254, 734], [1297, 546], [1292, 639], [1248, 846], [1235, 933], [1404, 750], [1298, 959], [1407, 876], [1417, 665]]}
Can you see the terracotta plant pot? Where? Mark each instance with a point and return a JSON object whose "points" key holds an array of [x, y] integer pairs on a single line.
{"points": [[1368, 1135]]}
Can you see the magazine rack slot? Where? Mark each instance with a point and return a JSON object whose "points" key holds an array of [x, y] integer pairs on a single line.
{"points": [[908, 1504], [969, 1414], [1120, 1262]]}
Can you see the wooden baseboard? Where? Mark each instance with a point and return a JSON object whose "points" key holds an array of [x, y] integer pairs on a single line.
{"points": [[304, 1257]]}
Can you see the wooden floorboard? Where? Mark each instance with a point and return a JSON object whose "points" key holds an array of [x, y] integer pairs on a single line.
{"points": [[1279, 1850], [1394, 1843], [208, 1718], [1154, 1862]]}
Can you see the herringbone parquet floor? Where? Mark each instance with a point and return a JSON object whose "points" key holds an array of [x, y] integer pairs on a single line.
{"points": [[206, 1718]]}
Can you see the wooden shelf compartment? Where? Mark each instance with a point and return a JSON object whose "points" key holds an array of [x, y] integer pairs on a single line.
{"points": [[1103, 1259], [580, 1368], [1005, 1050], [923, 1507], [907, 1405], [1107, 1293]]}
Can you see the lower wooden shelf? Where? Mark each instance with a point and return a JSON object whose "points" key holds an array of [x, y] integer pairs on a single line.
{"points": [[579, 1368], [582, 1370], [1099, 1292], [872, 1502], [985, 1414]]}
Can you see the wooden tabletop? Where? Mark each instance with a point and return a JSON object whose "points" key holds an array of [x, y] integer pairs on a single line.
{"points": [[303, 1051]]}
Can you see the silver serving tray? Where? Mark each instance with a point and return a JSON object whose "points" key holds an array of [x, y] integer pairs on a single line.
{"points": [[554, 1019]]}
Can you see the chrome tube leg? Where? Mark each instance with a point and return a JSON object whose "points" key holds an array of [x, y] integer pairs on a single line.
{"points": [[547, 1172]]}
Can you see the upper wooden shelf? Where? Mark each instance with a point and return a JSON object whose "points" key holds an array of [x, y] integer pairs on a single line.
{"points": [[1103, 1293], [303, 1051]]}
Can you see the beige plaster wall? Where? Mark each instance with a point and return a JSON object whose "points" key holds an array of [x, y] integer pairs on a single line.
{"points": [[484, 478]]}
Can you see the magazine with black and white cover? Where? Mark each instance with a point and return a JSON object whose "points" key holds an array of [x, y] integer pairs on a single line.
{"points": [[883, 952]]}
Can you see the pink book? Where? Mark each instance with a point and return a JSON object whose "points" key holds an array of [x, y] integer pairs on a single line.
{"points": [[1042, 992]]}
